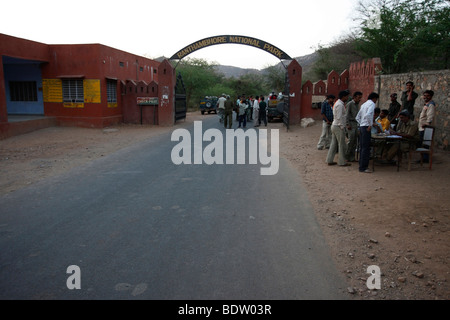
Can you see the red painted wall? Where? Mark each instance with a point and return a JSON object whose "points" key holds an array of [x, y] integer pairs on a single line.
{"points": [[132, 111], [23, 49], [95, 61], [320, 88], [307, 92], [166, 93], [117, 64], [295, 88], [362, 76], [344, 80], [333, 83], [310, 92]]}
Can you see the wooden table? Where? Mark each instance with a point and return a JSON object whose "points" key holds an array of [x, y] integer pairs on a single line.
{"points": [[387, 138]]}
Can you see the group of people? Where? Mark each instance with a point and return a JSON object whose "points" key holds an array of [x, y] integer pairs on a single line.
{"points": [[246, 109], [345, 123]]}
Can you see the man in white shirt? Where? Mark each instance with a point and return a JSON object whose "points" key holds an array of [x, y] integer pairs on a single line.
{"points": [[221, 106], [365, 121], [338, 131], [256, 111]]}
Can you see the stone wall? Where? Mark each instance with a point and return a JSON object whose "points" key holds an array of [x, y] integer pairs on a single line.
{"points": [[438, 81]]}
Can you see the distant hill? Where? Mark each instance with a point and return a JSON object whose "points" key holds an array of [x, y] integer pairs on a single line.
{"points": [[236, 72], [306, 62]]}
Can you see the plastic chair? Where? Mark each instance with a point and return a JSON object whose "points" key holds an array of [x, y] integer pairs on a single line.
{"points": [[426, 148]]}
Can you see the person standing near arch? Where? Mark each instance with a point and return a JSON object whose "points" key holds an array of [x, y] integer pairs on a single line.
{"points": [[338, 131], [262, 116], [243, 112], [327, 115], [352, 125], [228, 116]]}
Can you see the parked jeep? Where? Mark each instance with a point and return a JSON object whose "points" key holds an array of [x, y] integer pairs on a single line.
{"points": [[274, 109], [208, 104]]}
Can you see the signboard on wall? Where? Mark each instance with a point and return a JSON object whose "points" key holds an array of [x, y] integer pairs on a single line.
{"points": [[147, 101], [92, 91], [52, 90]]}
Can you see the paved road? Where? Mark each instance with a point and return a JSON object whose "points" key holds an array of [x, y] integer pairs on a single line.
{"points": [[140, 227]]}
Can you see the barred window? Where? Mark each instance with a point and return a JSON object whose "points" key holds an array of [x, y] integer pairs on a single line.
{"points": [[111, 90], [23, 90], [73, 90]]}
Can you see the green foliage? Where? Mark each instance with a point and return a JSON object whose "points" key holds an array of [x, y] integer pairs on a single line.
{"points": [[200, 79], [407, 35], [337, 56], [274, 79], [249, 84]]}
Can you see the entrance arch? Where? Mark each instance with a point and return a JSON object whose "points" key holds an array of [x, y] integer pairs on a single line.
{"points": [[231, 39], [292, 92]]}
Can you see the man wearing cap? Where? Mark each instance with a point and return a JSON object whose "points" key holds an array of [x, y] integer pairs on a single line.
{"points": [[408, 129], [338, 131]]}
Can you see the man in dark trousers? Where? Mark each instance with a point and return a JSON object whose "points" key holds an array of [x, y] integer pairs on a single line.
{"points": [[352, 125], [365, 120], [394, 109], [262, 112], [228, 113]]}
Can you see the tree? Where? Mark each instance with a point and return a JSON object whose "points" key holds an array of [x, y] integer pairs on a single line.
{"points": [[198, 77], [336, 56], [274, 79], [407, 35], [248, 84]]}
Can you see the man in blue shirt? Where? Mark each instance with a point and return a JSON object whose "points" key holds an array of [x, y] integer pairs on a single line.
{"points": [[327, 115]]}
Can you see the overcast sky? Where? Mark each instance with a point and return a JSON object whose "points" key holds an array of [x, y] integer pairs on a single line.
{"points": [[161, 28]]}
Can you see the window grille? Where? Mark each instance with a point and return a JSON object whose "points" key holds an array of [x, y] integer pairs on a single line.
{"points": [[111, 90], [73, 90], [23, 90]]}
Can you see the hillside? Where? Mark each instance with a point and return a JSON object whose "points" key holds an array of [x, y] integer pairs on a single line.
{"points": [[236, 72], [306, 62]]}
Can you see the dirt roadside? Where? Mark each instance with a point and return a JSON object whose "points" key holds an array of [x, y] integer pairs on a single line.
{"points": [[398, 221]]}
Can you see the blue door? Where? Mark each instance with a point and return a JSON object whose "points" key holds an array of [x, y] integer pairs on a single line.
{"points": [[23, 86]]}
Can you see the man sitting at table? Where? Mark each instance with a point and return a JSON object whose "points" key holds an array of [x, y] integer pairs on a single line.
{"points": [[383, 120], [408, 130]]}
